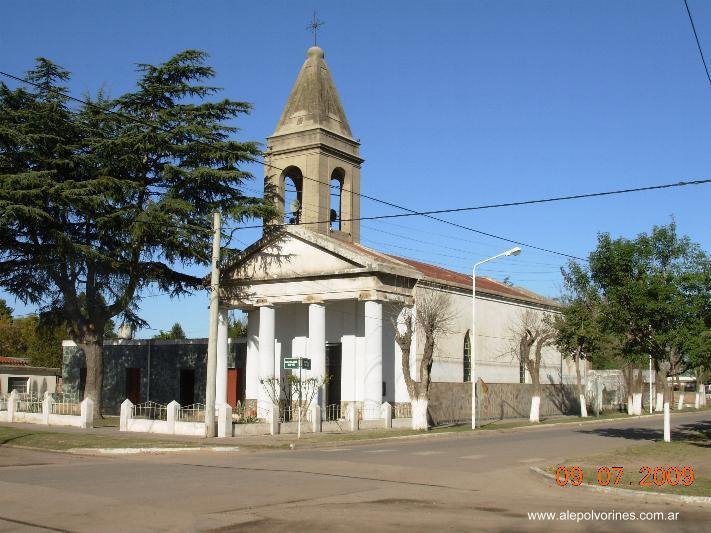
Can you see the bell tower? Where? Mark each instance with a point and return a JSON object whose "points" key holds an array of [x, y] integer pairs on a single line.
{"points": [[312, 162]]}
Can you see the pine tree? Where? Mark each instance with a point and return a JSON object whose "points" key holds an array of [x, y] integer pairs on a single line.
{"points": [[95, 207]]}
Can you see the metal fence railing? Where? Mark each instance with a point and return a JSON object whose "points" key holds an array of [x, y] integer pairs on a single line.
{"points": [[288, 414], [331, 412], [150, 410], [192, 413], [243, 414], [28, 403], [65, 404], [402, 410], [369, 412]]}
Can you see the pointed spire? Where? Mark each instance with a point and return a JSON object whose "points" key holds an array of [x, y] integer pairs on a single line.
{"points": [[314, 102]]}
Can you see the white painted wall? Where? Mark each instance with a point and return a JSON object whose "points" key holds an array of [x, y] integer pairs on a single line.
{"points": [[495, 362], [38, 384], [345, 324]]}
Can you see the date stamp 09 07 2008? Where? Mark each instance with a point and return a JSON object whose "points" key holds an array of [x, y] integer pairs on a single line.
{"points": [[606, 475]]}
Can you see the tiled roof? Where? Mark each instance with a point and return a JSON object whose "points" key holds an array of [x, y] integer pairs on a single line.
{"points": [[482, 283], [13, 361], [445, 275]]}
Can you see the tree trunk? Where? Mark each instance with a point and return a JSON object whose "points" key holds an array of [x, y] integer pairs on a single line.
{"points": [[659, 388], [579, 382], [630, 404], [93, 349], [419, 413], [535, 414], [637, 403], [680, 405]]}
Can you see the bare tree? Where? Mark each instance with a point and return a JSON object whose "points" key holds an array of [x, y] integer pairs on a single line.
{"points": [[433, 317], [531, 333]]}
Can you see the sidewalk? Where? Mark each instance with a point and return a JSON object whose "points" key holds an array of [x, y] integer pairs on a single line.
{"points": [[114, 438]]}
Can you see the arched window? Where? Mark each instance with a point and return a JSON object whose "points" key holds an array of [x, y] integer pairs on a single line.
{"points": [[337, 177], [293, 189], [467, 360]]}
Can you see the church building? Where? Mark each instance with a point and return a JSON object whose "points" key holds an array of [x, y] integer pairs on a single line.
{"points": [[310, 289]]}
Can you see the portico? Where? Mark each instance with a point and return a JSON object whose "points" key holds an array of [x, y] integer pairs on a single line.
{"points": [[324, 300]]}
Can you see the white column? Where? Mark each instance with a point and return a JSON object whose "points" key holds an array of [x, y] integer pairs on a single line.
{"points": [[317, 345], [221, 383], [266, 357], [373, 382], [251, 386]]}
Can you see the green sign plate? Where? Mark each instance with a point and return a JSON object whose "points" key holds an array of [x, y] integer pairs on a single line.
{"points": [[291, 362]]}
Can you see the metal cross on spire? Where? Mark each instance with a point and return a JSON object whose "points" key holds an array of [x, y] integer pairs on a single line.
{"points": [[314, 26]]}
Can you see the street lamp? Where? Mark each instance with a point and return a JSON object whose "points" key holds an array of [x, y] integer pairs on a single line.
{"points": [[512, 251]]}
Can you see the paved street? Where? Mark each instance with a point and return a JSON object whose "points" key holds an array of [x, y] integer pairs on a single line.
{"points": [[456, 482]]}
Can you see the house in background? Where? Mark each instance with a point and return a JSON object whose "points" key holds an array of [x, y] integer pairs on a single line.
{"points": [[17, 374], [161, 371]]}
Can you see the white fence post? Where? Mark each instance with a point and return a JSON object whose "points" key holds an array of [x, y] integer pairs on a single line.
{"points": [[171, 414], [352, 413], [274, 420], [386, 413], [316, 418], [126, 414], [11, 406], [224, 420], [46, 408], [86, 413]]}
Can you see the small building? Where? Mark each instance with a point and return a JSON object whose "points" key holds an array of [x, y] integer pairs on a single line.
{"points": [[161, 371], [17, 374]]}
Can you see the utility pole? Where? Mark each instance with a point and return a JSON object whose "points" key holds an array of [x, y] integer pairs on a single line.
{"points": [[212, 338]]}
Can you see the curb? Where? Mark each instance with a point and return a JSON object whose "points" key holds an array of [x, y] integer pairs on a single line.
{"points": [[636, 494], [287, 444], [134, 451]]}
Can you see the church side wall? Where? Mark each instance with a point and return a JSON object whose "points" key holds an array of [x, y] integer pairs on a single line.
{"points": [[495, 360]]}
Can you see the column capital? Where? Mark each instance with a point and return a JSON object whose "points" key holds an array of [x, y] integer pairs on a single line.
{"points": [[312, 299], [263, 302]]}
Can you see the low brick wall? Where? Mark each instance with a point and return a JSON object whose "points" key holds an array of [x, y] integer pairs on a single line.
{"points": [[451, 402], [513, 400]]}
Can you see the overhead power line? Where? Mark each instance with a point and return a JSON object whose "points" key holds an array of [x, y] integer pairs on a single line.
{"points": [[511, 204], [269, 165], [698, 43]]}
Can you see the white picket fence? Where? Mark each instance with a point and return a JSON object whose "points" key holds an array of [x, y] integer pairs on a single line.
{"points": [[49, 409]]}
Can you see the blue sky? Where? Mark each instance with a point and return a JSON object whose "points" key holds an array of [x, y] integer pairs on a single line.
{"points": [[456, 103]]}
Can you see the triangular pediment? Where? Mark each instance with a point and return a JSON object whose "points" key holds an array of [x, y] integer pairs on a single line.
{"points": [[291, 256]]}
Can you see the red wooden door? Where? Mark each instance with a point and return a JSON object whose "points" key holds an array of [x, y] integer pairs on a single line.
{"points": [[232, 381], [133, 385]]}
